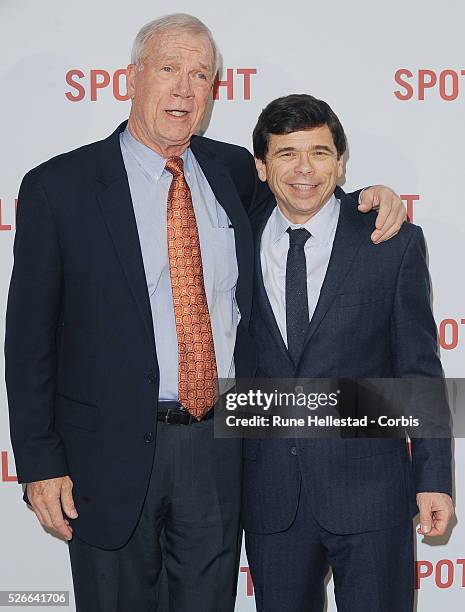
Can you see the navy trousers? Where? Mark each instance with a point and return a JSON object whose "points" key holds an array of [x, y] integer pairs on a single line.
{"points": [[184, 553], [372, 572]]}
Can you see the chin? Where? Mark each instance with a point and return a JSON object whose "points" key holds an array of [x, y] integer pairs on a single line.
{"points": [[306, 210], [177, 139]]}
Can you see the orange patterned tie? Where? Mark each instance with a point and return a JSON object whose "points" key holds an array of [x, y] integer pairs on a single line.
{"points": [[197, 378]]}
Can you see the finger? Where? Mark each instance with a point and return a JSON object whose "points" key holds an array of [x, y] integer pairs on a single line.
{"points": [[391, 226], [385, 211], [58, 521], [434, 533], [45, 514], [366, 200], [385, 216], [67, 502], [437, 529], [369, 200], [400, 216], [426, 522], [379, 236], [39, 514], [441, 520]]}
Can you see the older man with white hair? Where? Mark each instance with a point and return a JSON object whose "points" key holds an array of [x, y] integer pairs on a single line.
{"points": [[130, 298]]}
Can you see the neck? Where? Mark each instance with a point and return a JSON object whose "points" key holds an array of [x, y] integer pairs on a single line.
{"points": [[163, 149]]}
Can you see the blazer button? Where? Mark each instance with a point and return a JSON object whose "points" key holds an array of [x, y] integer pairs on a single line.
{"points": [[293, 450], [151, 378], [148, 436]]}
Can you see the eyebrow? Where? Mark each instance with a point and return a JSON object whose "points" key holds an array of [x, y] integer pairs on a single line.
{"points": [[292, 149], [169, 58]]}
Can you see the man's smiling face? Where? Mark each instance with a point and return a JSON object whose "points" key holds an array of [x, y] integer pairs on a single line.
{"points": [[301, 169], [170, 93]]}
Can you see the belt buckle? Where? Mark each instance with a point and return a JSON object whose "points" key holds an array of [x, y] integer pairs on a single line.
{"points": [[167, 416], [174, 411]]}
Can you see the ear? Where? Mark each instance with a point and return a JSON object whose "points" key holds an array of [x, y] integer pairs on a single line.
{"points": [[261, 169], [131, 71]]}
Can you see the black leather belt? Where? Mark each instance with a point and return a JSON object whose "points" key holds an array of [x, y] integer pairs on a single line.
{"points": [[174, 413]]}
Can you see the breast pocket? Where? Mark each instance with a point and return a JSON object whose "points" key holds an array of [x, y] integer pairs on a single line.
{"points": [[226, 270]]}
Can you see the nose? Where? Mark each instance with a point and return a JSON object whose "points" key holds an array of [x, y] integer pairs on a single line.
{"points": [[182, 87], [304, 164]]}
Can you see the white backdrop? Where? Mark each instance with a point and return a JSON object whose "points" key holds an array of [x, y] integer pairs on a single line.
{"points": [[393, 72]]}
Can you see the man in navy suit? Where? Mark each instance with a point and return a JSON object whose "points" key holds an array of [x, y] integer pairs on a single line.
{"points": [[111, 458], [328, 303]]}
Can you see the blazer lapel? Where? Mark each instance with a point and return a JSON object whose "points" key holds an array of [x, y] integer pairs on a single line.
{"points": [[222, 185], [346, 243], [116, 205], [260, 290]]}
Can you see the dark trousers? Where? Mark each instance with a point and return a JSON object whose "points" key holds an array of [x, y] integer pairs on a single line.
{"points": [[187, 539], [372, 572]]}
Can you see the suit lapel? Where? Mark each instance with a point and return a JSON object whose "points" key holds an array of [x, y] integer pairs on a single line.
{"points": [[117, 209], [346, 243], [222, 185], [263, 300]]}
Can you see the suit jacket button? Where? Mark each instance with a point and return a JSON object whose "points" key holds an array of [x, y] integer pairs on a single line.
{"points": [[148, 436], [151, 378], [293, 450]]}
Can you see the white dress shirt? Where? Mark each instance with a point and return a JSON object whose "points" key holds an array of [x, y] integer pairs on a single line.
{"points": [[149, 184], [273, 255]]}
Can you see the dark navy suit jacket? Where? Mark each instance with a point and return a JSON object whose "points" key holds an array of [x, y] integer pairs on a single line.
{"points": [[81, 363], [373, 320]]}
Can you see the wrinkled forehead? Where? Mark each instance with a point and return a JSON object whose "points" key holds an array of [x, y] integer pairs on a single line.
{"points": [[179, 43]]}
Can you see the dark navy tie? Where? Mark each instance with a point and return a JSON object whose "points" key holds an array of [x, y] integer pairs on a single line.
{"points": [[297, 318]]}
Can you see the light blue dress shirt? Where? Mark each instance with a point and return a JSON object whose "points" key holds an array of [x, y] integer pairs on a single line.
{"points": [[273, 255], [149, 184]]}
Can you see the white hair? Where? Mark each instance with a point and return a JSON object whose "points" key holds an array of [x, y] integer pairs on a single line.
{"points": [[175, 20]]}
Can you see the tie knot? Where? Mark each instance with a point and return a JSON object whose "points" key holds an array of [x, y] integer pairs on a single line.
{"points": [[175, 165], [298, 237]]}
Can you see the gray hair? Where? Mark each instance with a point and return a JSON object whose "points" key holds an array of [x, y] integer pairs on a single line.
{"points": [[175, 20]]}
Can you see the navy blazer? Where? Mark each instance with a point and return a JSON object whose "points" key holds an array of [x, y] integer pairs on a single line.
{"points": [[81, 362], [373, 320]]}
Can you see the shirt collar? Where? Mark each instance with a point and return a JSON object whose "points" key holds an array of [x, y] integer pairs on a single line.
{"points": [[151, 162], [320, 226]]}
